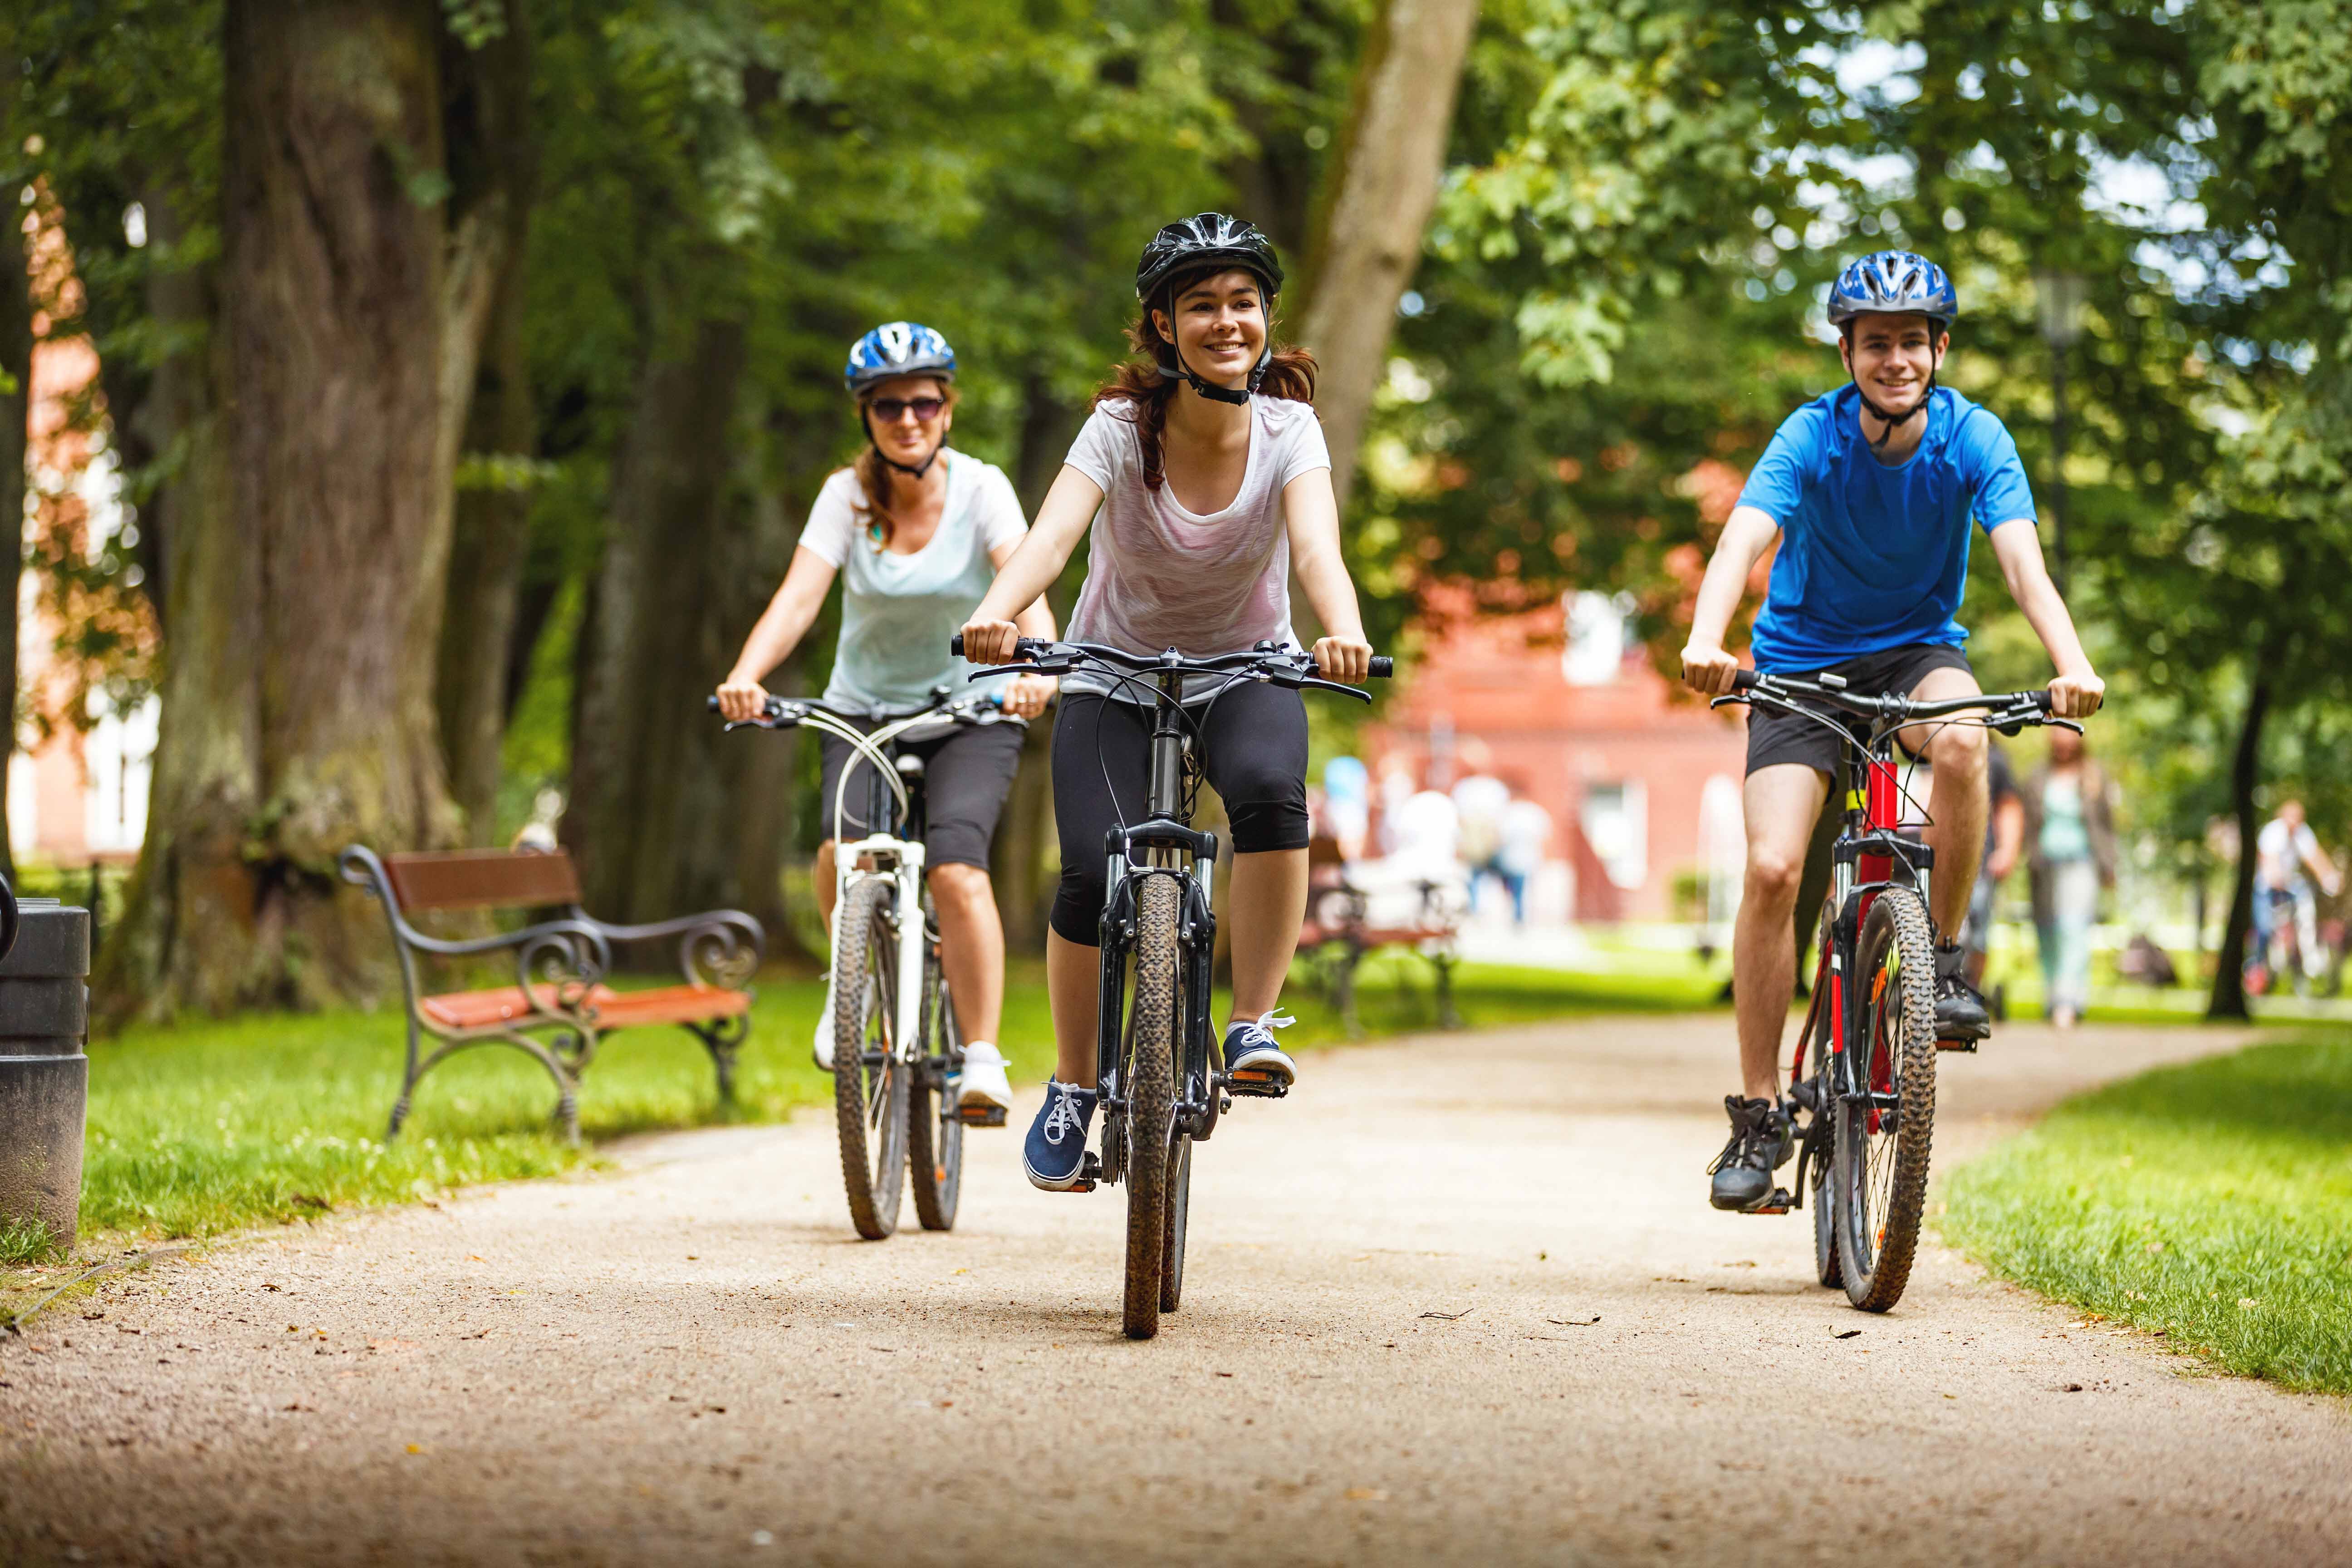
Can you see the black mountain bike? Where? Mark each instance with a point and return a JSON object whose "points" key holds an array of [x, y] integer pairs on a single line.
{"points": [[897, 1048], [1861, 1085], [1159, 1064]]}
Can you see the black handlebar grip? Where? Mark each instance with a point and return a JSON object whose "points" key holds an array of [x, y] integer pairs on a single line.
{"points": [[711, 703], [1383, 667], [1744, 680], [2042, 703], [955, 644]]}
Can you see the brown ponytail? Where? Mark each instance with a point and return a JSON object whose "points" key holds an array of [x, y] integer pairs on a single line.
{"points": [[1138, 379], [874, 474]]}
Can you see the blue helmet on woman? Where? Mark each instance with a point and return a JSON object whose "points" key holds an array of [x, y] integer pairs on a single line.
{"points": [[895, 349], [1895, 283]]}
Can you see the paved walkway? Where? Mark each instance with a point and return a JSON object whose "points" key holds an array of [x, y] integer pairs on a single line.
{"points": [[1457, 1300]]}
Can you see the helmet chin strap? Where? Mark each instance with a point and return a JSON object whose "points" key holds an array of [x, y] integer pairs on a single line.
{"points": [[1210, 389], [1892, 420], [917, 471]]}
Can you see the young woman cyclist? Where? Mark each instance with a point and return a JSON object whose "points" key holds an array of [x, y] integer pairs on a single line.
{"points": [[917, 531], [1203, 478]]}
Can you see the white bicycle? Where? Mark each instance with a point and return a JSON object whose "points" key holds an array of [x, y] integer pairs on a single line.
{"points": [[897, 1048]]}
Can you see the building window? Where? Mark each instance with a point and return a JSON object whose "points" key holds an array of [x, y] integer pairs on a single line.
{"points": [[1595, 653], [1616, 822]]}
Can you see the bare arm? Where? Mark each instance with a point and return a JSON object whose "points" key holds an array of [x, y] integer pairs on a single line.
{"points": [[1747, 533], [2076, 691], [1069, 511], [1028, 694], [1311, 514], [781, 626]]}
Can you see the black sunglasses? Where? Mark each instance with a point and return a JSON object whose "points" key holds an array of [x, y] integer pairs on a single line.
{"points": [[926, 408]]}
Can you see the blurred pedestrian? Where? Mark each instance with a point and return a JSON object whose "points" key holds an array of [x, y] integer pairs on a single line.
{"points": [[2070, 836], [1348, 805], [2284, 906], [2004, 842], [1526, 830], [1479, 800]]}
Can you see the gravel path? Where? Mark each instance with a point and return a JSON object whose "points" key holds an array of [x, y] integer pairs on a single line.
{"points": [[1457, 1298]]}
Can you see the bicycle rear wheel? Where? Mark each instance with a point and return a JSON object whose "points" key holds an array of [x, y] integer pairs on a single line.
{"points": [[1150, 1083], [934, 1132], [1886, 1119], [869, 1081]]}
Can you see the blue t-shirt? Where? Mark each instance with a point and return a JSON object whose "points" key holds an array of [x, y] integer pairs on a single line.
{"points": [[1873, 557]]}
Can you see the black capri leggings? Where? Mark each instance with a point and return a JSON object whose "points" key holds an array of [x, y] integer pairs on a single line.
{"points": [[1251, 742], [967, 773]]}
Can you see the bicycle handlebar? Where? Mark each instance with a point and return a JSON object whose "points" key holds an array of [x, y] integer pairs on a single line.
{"points": [[1038, 651], [966, 710], [2005, 710]]}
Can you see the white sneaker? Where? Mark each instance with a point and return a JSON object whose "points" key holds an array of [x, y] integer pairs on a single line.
{"points": [[981, 1083], [822, 1042]]}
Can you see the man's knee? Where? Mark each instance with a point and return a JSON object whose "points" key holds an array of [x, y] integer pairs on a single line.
{"points": [[955, 879], [1774, 873], [1959, 751]]}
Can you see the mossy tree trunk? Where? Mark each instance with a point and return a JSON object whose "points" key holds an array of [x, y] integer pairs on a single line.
{"points": [[15, 408], [311, 536]]}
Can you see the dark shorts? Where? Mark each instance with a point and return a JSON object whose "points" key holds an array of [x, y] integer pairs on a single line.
{"points": [[1775, 737], [1253, 747], [967, 773]]}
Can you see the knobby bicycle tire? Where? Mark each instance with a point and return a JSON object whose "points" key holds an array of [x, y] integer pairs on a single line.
{"points": [[1149, 1081], [1821, 1136], [1882, 1192], [1180, 1208], [934, 1132], [869, 1102]]}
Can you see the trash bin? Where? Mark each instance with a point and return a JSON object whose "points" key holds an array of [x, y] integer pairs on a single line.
{"points": [[44, 1075]]}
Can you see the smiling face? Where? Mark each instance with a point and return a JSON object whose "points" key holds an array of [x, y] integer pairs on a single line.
{"points": [[896, 424], [1891, 358], [1219, 326]]}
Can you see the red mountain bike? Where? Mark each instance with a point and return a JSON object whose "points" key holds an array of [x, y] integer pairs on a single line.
{"points": [[1861, 1084]]}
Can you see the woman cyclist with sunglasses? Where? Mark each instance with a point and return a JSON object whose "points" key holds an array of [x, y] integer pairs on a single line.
{"points": [[917, 533], [1203, 480]]}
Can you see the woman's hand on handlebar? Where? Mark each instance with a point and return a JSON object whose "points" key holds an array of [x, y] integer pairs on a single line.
{"points": [[1348, 659], [1709, 670], [1027, 696], [2078, 696], [741, 701], [990, 642]]}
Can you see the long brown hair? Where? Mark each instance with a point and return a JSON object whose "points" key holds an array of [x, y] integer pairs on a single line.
{"points": [[874, 474], [1138, 379]]}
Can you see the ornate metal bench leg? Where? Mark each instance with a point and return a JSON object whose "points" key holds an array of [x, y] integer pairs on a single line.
{"points": [[399, 1115], [567, 1115], [722, 1039], [1447, 1018]]}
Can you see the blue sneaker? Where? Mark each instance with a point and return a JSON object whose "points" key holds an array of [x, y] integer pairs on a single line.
{"points": [[1252, 1057], [1054, 1155]]}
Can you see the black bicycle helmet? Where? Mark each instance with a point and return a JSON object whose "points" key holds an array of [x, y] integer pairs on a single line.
{"points": [[1193, 245], [1895, 283]]}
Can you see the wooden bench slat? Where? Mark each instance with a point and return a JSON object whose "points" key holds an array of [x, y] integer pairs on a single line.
{"points": [[615, 1009], [482, 879]]}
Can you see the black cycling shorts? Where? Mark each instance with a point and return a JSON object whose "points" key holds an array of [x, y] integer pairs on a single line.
{"points": [[1251, 742], [1775, 737], [967, 773]]}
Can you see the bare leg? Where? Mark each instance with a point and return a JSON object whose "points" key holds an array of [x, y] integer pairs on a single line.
{"points": [[1781, 803], [822, 873], [1959, 800], [1073, 981], [972, 948], [1268, 905]]}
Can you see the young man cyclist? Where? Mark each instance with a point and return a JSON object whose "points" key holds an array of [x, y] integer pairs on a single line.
{"points": [[1869, 489], [916, 531]]}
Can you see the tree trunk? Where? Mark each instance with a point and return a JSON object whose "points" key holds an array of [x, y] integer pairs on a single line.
{"points": [[2228, 1000], [307, 563], [1376, 200], [490, 534], [15, 411], [668, 815]]}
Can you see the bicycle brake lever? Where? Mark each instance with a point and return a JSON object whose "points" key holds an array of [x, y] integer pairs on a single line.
{"points": [[1738, 696]]}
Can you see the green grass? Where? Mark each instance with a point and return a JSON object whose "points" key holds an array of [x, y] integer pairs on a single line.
{"points": [[208, 1127], [2211, 1203]]}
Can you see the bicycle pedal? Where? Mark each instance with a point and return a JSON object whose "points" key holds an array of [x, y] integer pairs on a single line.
{"points": [[1781, 1202], [980, 1115], [1970, 1046], [1089, 1174], [1257, 1085]]}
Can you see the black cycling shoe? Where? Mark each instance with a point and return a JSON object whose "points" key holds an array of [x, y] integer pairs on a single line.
{"points": [[1960, 1013], [1760, 1144]]}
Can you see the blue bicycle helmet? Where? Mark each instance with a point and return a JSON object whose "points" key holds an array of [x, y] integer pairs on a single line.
{"points": [[894, 349], [1895, 283]]}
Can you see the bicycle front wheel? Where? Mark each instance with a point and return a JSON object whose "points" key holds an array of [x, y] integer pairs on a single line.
{"points": [[1150, 1082], [1886, 1111], [869, 1081], [934, 1130]]}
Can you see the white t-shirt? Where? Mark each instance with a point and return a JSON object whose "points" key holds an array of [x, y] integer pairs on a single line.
{"points": [[2285, 855], [1161, 576], [897, 611]]}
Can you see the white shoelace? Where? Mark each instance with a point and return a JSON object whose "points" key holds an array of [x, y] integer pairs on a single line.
{"points": [[1066, 1116], [1262, 1028]]}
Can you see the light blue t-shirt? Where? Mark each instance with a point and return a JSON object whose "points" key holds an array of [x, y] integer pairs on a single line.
{"points": [[1873, 557], [897, 611]]}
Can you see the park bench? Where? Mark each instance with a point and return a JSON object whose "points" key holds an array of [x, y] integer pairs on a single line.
{"points": [[560, 960], [1341, 929]]}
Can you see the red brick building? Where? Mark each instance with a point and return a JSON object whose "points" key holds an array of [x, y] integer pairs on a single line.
{"points": [[1641, 780]]}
